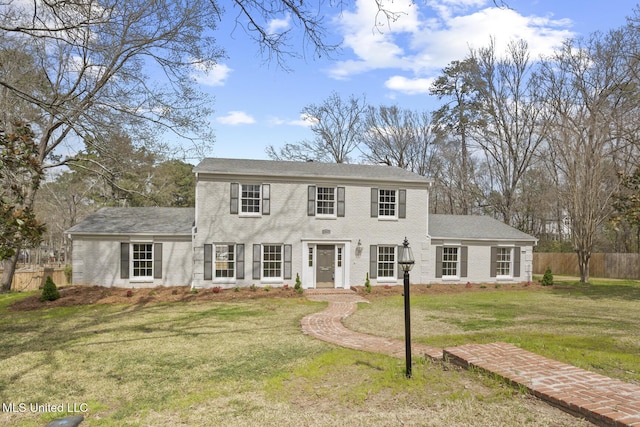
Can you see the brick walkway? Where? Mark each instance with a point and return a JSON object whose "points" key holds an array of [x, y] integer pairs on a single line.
{"points": [[601, 400]]}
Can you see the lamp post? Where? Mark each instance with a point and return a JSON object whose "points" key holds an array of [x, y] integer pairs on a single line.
{"points": [[406, 261]]}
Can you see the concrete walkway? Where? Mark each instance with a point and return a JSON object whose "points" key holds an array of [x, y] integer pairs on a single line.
{"points": [[599, 399]]}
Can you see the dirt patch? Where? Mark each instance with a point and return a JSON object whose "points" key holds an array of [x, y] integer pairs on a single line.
{"points": [[84, 295]]}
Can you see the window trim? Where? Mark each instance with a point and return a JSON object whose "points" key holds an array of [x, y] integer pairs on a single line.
{"points": [[457, 263], [389, 204], [151, 260], [399, 204], [394, 263], [241, 198], [333, 202]]}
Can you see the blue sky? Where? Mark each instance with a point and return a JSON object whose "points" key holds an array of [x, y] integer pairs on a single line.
{"points": [[258, 104]]}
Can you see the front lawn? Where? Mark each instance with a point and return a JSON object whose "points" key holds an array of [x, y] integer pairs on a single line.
{"points": [[246, 362]]}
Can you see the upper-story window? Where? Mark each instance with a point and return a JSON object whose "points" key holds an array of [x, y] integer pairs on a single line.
{"points": [[326, 201], [388, 203], [250, 199]]}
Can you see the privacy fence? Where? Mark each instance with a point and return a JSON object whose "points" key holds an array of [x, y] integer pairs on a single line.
{"points": [[32, 279], [616, 266]]}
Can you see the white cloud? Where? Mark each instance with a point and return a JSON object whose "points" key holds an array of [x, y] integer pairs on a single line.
{"points": [[279, 25], [210, 74], [432, 34], [234, 118], [409, 86], [305, 121]]}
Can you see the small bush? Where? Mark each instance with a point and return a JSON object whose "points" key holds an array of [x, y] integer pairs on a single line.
{"points": [[298, 285], [216, 289], [267, 288], [367, 284], [50, 291], [547, 279], [253, 287]]}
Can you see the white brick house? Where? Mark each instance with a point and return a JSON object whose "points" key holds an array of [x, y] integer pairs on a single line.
{"points": [[264, 222]]}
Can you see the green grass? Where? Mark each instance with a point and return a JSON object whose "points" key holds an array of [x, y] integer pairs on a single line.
{"points": [[247, 363], [594, 326]]}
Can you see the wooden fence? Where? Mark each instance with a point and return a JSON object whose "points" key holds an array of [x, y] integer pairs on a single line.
{"points": [[33, 278], [616, 266]]}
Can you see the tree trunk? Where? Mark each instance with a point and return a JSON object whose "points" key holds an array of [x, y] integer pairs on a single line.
{"points": [[583, 265], [9, 265]]}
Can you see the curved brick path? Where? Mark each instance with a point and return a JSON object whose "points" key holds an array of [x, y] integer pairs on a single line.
{"points": [[601, 400]]}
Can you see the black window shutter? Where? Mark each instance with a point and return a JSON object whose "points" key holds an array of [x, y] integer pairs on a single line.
{"points": [[494, 261], [374, 203], [373, 262], [124, 260], [287, 261], [516, 262], [311, 200], [464, 255], [402, 203], [341, 205], [438, 261], [233, 202], [208, 262], [157, 260], [266, 199], [256, 261], [240, 261]]}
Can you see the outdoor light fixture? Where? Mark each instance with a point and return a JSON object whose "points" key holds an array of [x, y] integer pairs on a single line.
{"points": [[406, 261]]}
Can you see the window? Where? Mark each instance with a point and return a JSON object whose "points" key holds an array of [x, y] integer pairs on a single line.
{"points": [[272, 261], [449, 261], [339, 256], [225, 261], [503, 261], [387, 203], [250, 199], [142, 255], [325, 201], [310, 256], [386, 261]]}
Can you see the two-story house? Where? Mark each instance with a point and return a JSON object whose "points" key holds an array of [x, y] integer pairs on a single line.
{"points": [[265, 222]]}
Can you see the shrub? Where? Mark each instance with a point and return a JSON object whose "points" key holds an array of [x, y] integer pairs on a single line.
{"points": [[298, 285], [216, 289], [253, 287], [547, 279], [267, 288], [367, 284], [50, 291]]}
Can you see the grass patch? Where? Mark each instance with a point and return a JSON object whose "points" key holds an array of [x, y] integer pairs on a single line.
{"points": [[238, 363], [590, 326]]}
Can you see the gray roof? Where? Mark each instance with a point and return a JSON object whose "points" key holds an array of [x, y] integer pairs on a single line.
{"points": [[473, 227], [158, 221], [249, 167]]}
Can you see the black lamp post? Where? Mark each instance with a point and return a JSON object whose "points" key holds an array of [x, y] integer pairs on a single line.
{"points": [[406, 261]]}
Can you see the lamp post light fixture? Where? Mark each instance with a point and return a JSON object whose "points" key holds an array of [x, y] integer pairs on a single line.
{"points": [[406, 261]]}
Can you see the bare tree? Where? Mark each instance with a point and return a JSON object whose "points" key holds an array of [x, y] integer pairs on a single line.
{"points": [[337, 125], [399, 137], [590, 91], [512, 127]]}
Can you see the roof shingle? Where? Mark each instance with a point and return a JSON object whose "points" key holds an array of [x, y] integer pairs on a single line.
{"points": [[473, 227], [148, 220]]}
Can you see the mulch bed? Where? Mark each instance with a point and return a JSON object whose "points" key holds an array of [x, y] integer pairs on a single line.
{"points": [[84, 295]]}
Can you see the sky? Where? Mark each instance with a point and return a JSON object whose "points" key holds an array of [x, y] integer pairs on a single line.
{"points": [[258, 104]]}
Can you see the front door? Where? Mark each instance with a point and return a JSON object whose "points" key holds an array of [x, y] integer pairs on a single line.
{"points": [[325, 266]]}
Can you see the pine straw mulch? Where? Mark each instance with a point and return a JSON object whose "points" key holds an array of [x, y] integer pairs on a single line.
{"points": [[86, 295]]}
